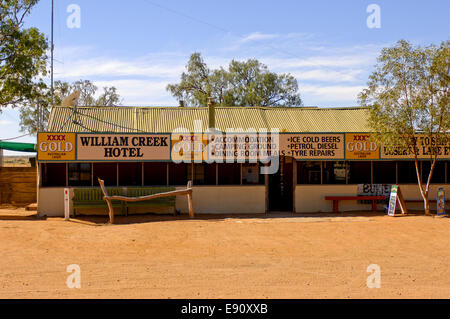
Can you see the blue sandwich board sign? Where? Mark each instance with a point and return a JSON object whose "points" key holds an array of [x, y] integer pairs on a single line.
{"points": [[440, 202]]}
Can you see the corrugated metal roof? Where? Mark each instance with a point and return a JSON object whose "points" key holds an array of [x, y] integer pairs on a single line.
{"points": [[166, 119]]}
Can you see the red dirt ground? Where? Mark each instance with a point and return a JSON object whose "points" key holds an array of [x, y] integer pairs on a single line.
{"points": [[280, 256]]}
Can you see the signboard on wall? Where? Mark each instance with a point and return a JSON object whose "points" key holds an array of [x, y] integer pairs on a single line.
{"points": [[312, 146], [123, 147], [424, 149], [361, 146], [56, 146], [188, 147], [242, 146], [374, 190]]}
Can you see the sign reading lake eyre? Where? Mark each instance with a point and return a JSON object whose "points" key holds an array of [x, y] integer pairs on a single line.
{"points": [[123, 147]]}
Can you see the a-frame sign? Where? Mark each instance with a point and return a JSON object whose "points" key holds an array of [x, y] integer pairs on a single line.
{"points": [[396, 196]]}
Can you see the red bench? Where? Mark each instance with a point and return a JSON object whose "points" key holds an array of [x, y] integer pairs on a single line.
{"points": [[336, 200]]}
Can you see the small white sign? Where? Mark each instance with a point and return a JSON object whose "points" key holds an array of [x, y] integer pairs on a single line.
{"points": [[66, 204]]}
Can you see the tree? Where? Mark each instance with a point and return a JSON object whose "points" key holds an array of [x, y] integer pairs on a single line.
{"points": [[247, 83], [22, 54], [407, 99], [30, 118]]}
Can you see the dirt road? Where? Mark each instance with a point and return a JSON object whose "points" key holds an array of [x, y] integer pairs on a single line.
{"points": [[239, 257]]}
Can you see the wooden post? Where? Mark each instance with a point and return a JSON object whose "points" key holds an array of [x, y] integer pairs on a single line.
{"points": [[189, 196], [108, 201]]}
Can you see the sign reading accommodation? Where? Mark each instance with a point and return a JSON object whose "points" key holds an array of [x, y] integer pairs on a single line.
{"points": [[312, 146], [242, 146], [56, 146], [124, 147]]}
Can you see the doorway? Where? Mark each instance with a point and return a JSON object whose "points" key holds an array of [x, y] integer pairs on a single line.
{"points": [[281, 186]]}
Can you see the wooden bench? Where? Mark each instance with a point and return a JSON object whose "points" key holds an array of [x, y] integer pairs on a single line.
{"points": [[156, 202], [336, 200], [93, 198]]}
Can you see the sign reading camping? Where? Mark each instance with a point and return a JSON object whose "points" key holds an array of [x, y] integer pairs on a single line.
{"points": [[312, 146], [56, 146], [124, 147]]}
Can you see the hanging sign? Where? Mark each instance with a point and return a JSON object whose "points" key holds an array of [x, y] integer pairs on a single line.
{"points": [[440, 202]]}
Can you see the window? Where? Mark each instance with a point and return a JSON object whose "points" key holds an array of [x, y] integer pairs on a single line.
{"points": [[384, 172], [178, 173], [250, 174], [229, 173], [308, 172], [79, 174], [438, 176], [130, 174], [334, 172], [107, 172], [359, 172], [53, 174], [155, 174], [204, 174], [407, 172]]}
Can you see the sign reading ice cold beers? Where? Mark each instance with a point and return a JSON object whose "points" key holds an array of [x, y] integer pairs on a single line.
{"points": [[312, 146], [124, 147]]}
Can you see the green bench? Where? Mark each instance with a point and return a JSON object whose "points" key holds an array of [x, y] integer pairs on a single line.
{"points": [[143, 191], [93, 198]]}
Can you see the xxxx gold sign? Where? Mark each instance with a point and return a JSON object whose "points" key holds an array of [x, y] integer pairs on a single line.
{"points": [[361, 146], [189, 147], [56, 146]]}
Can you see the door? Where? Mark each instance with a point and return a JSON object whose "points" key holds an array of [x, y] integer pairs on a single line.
{"points": [[281, 186]]}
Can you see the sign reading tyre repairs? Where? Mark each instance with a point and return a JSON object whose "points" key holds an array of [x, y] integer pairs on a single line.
{"points": [[312, 146], [123, 147]]}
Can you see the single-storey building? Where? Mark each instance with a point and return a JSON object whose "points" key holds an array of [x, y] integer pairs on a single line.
{"points": [[257, 160]]}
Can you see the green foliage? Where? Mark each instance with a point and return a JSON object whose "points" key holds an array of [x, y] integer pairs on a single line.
{"points": [[408, 93], [29, 116], [22, 54], [247, 83]]}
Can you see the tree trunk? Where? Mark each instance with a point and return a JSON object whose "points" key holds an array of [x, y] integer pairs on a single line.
{"points": [[427, 205]]}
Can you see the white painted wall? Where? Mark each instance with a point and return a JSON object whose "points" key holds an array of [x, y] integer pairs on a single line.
{"points": [[207, 200], [311, 198]]}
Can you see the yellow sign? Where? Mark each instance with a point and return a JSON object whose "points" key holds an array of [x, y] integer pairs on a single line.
{"points": [[56, 146], [189, 147], [361, 146], [425, 148]]}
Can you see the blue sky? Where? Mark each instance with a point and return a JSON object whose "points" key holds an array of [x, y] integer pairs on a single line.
{"points": [[140, 46]]}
